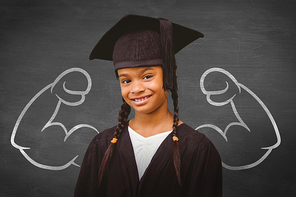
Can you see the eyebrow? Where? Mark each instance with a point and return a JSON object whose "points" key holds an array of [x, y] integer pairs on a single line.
{"points": [[147, 68], [122, 75], [142, 71]]}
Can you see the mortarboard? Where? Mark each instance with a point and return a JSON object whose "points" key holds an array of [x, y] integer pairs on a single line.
{"points": [[144, 41]]}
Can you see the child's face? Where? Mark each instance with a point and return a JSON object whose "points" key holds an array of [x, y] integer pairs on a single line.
{"points": [[142, 88]]}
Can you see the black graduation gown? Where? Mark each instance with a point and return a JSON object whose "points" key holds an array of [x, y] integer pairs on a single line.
{"points": [[201, 170]]}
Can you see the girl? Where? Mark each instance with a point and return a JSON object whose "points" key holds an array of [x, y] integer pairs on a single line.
{"points": [[155, 153]]}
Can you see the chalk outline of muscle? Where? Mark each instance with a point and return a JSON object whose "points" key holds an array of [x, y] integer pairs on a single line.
{"points": [[240, 121], [51, 122]]}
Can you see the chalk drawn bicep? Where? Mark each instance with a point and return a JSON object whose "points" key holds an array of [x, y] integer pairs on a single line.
{"points": [[53, 138], [233, 132]]}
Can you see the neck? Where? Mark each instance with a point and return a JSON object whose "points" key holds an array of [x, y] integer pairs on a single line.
{"points": [[153, 123]]}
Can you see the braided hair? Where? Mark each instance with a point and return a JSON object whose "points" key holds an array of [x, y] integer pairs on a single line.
{"points": [[122, 122], [170, 83], [176, 148]]}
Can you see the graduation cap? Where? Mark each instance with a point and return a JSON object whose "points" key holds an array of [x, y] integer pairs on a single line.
{"points": [[136, 41]]}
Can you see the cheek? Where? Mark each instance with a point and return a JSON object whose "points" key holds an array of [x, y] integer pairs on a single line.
{"points": [[158, 89], [157, 83], [125, 96], [123, 91], [158, 86]]}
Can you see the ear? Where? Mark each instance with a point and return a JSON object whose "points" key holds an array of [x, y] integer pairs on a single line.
{"points": [[166, 93]]}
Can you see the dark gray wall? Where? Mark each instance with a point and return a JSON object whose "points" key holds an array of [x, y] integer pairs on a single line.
{"points": [[252, 43]]}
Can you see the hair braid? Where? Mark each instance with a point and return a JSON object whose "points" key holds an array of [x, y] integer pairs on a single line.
{"points": [[176, 148], [122, 122]]}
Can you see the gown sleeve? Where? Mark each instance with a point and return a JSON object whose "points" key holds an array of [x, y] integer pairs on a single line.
{"points": [[87, 183], [206, 176]]}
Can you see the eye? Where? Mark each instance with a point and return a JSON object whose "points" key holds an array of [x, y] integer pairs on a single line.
{"points": [[125, 81], [147, 76]]}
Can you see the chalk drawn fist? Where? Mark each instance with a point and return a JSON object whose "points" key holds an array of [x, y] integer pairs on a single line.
{"points": [[44, 141], [244, 144]]}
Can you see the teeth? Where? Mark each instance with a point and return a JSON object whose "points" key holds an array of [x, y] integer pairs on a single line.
{"points": [[141, 99]]}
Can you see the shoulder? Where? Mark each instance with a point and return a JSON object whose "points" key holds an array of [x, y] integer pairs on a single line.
{"points": [[191, 137], [104, 137], [194, 144]]}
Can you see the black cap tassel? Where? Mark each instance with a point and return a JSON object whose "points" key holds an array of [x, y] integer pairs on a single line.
{"points": [[168, 54]]}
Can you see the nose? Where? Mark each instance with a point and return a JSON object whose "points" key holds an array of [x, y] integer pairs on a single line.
{"points": [[137, 87]]}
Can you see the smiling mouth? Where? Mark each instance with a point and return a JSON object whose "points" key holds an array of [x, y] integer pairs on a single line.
{"points": [[141, 99]]}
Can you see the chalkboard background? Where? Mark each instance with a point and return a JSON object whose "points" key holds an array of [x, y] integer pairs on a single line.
{"points": [[249, 44]]}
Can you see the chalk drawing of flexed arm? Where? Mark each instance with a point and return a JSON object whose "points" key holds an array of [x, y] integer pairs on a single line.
{"points": [[239, 121], [51, 123]]}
